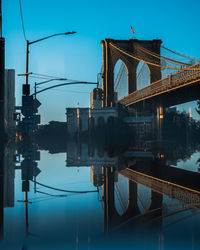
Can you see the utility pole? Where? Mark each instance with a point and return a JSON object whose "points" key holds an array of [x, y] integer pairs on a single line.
{"points": [[2, 82]]}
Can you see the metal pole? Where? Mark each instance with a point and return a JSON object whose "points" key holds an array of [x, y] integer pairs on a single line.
{"points": [[0, 20], [26, 210], [35, 90], [27, 54]]}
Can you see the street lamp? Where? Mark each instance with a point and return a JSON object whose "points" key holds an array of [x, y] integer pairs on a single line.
{"points": [[50, 80], [26, 87]]}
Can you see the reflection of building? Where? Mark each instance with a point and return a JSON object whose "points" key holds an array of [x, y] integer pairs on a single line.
{"points": [[9, 176], [143, 127], [80, 155], [96, 176], [9, 100]]}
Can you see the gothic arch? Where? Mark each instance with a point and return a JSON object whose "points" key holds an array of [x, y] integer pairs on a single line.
{"points": [[111, 55]]}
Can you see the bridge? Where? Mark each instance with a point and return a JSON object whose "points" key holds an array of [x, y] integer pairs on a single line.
{"points": [[172, 80], [184, 190]]}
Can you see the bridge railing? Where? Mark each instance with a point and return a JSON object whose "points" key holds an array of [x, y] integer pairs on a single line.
{"points": [[179, 78]]}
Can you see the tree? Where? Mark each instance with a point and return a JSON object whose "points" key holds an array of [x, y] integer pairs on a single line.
{"points": [[198, 107]]}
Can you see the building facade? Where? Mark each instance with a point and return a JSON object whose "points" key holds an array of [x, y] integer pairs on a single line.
{"points": [[10, 124]]}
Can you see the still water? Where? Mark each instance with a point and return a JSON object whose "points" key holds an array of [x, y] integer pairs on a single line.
{"points": [[82, 201]]}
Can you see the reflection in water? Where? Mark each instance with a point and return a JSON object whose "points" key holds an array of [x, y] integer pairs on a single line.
{"points": [[128, 193]]}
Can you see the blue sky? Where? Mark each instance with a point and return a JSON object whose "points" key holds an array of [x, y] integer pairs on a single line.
{"points": [[79, 56]]}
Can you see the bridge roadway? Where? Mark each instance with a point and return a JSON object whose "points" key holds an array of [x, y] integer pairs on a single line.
{"points": [[175, 89], [178, 184]]}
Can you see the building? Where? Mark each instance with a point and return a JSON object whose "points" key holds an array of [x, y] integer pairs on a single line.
{"points": [[83, 119], [9, 101], [96, 98]]}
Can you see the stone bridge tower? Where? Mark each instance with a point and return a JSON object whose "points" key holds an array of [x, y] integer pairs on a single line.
{"points": [[111, 55]]}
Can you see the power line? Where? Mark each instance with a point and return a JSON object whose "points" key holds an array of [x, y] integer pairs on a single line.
{"points": [[20, 6], [42, 75]]}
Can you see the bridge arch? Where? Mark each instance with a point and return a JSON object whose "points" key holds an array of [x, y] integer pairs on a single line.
{"points": [[120, 77], [142, 75], [113, 50]]}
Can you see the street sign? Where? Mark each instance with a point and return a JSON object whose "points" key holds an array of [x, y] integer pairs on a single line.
{"points": [[37, 103], [27, 105]]}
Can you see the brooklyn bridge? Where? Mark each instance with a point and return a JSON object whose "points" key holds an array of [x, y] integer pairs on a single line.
{"points": [[143, 74]]}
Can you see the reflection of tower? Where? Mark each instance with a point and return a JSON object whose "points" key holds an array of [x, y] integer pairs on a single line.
{"points": [[96, 175]]}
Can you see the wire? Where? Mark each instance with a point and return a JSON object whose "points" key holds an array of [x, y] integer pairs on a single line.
{"points": [[20, 6], [56, 77], [81, 92], [54, 195], [66, 191]]}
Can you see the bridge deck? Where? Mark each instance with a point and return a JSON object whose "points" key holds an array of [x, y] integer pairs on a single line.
{"points": [[176, 183], [188, 76]]}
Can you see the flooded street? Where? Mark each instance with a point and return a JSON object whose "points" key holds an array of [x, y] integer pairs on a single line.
{"points": [[79, 201]]}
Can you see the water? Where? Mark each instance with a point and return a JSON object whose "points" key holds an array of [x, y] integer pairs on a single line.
{"points": [[123, 208]]}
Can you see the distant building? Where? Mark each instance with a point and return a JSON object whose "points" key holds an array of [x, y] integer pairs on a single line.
{"points": [[10, 101], [96, 97], [83, 119]]}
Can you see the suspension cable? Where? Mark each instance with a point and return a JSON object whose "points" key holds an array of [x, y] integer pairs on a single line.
{"points": [[122, 71], [137, 76], [154, 64], [180, 54], [138, 59], [119, 72], [163, 57]]}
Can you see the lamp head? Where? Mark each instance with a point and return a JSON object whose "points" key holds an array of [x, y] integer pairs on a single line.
{"points": [[69, 33]]}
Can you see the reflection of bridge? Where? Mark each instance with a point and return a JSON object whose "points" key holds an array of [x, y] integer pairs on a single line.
{"points": [[176, 88], [183, 190]]}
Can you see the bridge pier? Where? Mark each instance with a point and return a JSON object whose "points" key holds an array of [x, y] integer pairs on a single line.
{"points": [[159, 121]]}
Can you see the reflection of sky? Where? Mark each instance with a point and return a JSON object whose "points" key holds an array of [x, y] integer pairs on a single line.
{"points": [[80, 56], [58, 220], [76, 221], [190, 164]]}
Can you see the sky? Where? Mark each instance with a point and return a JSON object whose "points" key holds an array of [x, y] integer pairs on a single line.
{"points": [[79, 56]]}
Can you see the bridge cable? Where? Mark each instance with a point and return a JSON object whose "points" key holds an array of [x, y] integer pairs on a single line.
{"points": [[163, 57], [138, 59], [119, 73], [180, 54], [118, 80], [121, 197], [154, 64], [137, 76]]}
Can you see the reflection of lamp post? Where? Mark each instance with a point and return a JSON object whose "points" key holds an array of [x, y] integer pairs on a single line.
{"points": [[26, 87]]}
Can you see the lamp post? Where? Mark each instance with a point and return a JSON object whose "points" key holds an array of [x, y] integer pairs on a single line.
{"points": [[50, 80], [26, 87]]}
